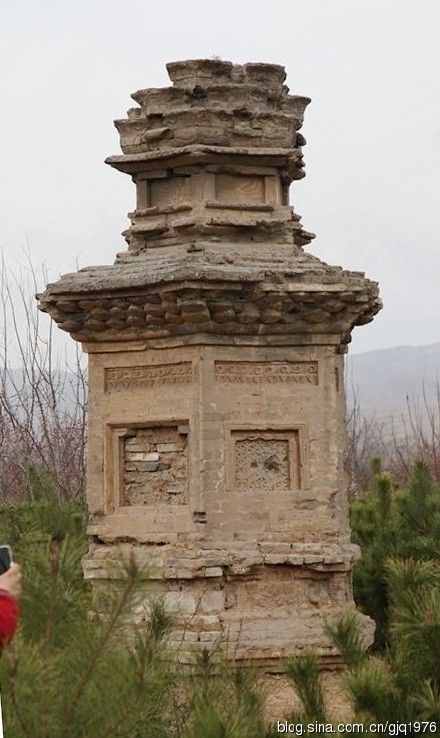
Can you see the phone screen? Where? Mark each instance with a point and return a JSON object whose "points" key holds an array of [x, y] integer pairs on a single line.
{"points": [[5, 559]]}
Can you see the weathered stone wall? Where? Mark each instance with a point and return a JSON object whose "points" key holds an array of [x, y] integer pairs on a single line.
{"points": [[253, 550]]}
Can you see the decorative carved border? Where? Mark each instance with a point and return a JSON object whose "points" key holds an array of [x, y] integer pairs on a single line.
{"points": [[270, 372], [154, 375]]}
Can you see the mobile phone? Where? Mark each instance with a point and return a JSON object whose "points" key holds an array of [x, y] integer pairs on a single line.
{"points": [[6, 558]]}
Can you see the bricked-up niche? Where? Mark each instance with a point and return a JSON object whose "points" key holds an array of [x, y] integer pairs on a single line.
{"points": [[155, 466], [266, 460]]}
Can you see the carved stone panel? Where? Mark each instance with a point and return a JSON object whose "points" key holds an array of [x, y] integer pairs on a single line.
{"points": [[170, 191], [231, 188], [122, 378], [271, 372], [266, 460], [154, 466]]}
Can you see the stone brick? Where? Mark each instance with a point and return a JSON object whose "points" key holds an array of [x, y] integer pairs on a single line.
{"points": [[142, 456], [181, 602]]}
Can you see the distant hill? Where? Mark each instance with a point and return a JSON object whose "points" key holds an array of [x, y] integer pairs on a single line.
{"points": [[382, 380]]}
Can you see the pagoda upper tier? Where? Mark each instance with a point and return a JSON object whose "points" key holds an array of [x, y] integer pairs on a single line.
{"points": [[214, 154], [214, 247]]}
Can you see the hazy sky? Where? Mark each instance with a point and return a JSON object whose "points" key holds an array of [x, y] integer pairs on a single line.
{"points": [[371, 193]]}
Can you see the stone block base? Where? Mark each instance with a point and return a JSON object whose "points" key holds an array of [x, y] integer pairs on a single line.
{"points": [[256, 604]]}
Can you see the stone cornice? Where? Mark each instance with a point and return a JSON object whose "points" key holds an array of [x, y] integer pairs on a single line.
{"points": [[270, 156], [211, 289]]}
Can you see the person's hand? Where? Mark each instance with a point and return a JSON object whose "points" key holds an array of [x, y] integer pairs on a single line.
{"points": [[10, 581]]}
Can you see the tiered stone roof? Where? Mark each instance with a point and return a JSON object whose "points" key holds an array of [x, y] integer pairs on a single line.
{"points": [[214, 247]]}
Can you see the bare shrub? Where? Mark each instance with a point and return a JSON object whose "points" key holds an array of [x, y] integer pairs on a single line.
{"points": [[400, 441], [417, 436], [365, 442], [43, 398]]}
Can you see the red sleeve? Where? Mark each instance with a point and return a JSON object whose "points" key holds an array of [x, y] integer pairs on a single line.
{"points": [[8, 617]]}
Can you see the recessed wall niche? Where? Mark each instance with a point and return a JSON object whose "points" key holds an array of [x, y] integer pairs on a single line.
{"points": [[153, 466]]}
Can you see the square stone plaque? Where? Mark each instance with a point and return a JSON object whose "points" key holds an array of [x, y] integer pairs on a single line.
{"points": [[265, 460]]}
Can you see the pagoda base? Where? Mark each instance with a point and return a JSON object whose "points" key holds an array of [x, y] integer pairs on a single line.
{"points": [[254, 604]]}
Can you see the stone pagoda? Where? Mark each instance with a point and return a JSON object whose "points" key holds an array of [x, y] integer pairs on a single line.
{"points": [[216, 367]]}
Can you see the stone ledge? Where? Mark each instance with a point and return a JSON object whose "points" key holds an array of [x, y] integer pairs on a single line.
{"points": [[203, 153], [247, 207], [174, 561]]}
